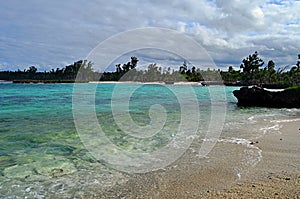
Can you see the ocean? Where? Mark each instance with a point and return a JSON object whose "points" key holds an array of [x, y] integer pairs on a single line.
{"points": [[81, 140]]}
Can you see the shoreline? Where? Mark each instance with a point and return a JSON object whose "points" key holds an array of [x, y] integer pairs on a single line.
{"points": [[154, 82], [200, 83], [276, 175], [273, 88]]}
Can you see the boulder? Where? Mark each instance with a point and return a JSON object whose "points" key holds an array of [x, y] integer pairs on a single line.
{"points": [[256, 96]]}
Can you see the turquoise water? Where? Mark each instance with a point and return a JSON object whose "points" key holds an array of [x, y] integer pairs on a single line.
{"points": [[42, 155]]}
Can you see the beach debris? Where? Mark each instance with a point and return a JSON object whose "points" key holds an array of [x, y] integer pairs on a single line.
{"points": [[251, 143]]}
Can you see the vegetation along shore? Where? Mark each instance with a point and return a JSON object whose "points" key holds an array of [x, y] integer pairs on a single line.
{"points": [[253, 71]]}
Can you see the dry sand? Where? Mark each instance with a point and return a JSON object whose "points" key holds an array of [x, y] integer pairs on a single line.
{"points": [[134, 82]]}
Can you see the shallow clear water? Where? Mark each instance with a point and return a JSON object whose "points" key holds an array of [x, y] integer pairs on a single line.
{"points": [[42, 155]]}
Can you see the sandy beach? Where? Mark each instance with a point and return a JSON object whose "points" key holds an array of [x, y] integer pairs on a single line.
{"points": [[135, 82], [277, 174]]}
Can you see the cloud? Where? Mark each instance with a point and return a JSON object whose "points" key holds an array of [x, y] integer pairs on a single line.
{"points": [[50, 34]]}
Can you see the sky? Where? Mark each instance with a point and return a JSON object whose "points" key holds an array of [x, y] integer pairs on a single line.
{"points": [[51, 34]]}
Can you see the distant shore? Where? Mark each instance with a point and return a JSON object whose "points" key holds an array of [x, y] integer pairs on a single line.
{"points": [[200, 83], [154, 82], [29, 81]]}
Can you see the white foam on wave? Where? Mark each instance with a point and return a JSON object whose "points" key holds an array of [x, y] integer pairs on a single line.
{"points": [[251, 118], [262, 117], [253, 154], [274, 128], [293, 110], [241, 141], [285, 120]]}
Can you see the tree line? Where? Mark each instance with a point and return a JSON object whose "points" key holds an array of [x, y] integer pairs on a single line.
{"points": [[68, 73], [252, 71]]}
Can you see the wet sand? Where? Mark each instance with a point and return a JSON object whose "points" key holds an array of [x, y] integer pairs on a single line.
{"points": [[276, 175]]}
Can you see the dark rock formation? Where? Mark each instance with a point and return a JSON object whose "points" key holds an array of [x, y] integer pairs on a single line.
{"points": [[256, 96]]}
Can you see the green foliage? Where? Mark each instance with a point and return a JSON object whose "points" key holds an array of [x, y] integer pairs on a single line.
{"points": [[252, 63], [293, 88], [32, 69], [82, 71]]}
